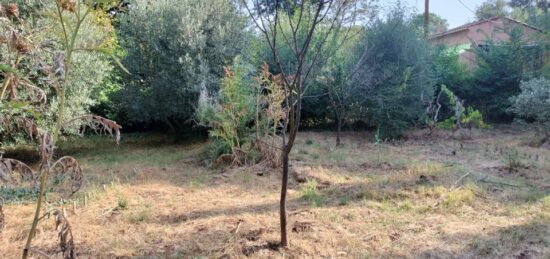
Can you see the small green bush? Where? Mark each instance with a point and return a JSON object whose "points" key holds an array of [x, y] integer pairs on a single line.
{"points": [[533, 103], [122, 203], [469, 117], [229, 116], [311, 194]]}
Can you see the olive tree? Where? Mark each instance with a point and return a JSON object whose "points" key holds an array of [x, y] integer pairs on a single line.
{"points": [[533, 103], [176, 49], [42, 31]]}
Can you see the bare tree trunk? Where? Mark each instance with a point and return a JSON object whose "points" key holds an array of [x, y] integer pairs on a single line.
{"points": [[257, 122], [458, 112], [328, 10], [338, 131], [172, 128], [282, 208]]}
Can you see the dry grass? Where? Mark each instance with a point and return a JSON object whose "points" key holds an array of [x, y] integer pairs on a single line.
{"points": [[422, 198]]}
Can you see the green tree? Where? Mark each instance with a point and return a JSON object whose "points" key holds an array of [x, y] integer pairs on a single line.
{"points": [[492, 8], [85, 82], [437, 23], [176, 49], [395, 76], [544, 5], [501, 66], [336, 78], [533, 103]]}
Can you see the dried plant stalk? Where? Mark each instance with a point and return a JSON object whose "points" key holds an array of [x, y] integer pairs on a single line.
{"points": [[12, 11], [273, 113], [64, 233], [99, 125], [46, 149], [2, 217], [8, 168], [65, 166], [35, 93], [10, 123]]}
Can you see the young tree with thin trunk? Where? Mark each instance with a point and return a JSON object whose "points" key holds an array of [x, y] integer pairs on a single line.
{"points": [[339, 72], [308, 20]]}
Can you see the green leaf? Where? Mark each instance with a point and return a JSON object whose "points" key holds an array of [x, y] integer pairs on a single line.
{"points": [[7, 69]]}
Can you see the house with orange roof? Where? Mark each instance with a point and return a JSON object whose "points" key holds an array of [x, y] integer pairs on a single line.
{"points": [[469, 36]]}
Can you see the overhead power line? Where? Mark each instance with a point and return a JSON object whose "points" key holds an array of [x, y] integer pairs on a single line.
{"points": [[465, 6]]}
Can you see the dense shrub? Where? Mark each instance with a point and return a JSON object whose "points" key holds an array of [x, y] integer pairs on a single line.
{"points": [[228, 114], [176, 49], [533, 103], [395, 76], [244, 117], [449, 70], [501, 68]]}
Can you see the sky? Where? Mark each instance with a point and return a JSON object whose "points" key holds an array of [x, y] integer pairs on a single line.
{"points": [[452, 10]]}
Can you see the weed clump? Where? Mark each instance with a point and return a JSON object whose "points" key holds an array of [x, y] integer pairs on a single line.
{"points": [[546, 203], [122, 203], [311, 194], [514, 162], [459, 197]]}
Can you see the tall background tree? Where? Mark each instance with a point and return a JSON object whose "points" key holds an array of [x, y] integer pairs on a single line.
{"points": [[175, 51], [533, 12], [501, 66], [336, 79], [437, 23], [492, 8], [395, 76]]}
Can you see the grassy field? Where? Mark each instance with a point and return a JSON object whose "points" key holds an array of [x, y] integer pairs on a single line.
{"points": [[471, 195]]}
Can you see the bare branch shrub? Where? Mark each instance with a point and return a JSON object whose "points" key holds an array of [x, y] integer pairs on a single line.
{"points": [[305, 38]]}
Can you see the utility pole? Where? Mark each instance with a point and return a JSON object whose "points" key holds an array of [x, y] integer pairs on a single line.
{"points": [[426, 18]]}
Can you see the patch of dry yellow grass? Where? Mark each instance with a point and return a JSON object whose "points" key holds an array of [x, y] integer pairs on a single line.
{"points": [[415, 199]]}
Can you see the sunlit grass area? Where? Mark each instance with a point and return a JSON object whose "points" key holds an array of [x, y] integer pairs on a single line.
{"points": [[423, 198]]}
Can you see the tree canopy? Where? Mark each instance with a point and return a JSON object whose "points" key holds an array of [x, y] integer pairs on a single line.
{"points": [[437, 23], [492, 8], [176, 50]]}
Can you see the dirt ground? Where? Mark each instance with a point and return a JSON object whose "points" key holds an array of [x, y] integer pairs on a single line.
{"points": [[470, 195]]}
